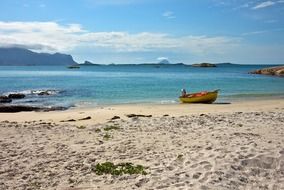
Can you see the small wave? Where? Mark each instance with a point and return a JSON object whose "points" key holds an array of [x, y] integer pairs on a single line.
{"points": [[36, 92], [45, 92], [168, 101], [85, 104]]}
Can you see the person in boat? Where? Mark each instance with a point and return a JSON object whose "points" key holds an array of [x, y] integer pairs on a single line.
{"points": [[183, 92], [185, 95]]}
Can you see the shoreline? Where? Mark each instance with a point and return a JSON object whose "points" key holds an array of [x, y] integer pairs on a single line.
{"points": [[102, 114]]}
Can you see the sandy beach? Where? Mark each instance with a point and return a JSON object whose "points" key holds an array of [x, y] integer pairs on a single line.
{"points": [[141, 94], [219, 146]]}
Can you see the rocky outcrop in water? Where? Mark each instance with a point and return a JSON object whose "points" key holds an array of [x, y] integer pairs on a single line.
{"points": [[44, 93], [6, 107], [5, 99], [16, 96], [275, 71], [23, 108]]}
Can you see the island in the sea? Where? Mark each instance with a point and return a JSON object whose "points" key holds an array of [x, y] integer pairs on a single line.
{"points": [[204, 65], [15, 56]]}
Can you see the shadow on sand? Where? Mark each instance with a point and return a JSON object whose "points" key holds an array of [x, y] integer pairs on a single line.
{"points": [[221, 103]]}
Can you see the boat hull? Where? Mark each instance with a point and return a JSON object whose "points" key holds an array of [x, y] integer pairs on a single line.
{"points": [[208, 98]]}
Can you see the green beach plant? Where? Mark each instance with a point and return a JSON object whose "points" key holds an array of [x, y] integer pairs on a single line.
{"points": [[118, 169], [81, 127], [111, 127], [106, 136], [180, 156], [98, 130]]}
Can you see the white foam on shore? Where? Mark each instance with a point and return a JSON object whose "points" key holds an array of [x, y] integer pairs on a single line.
{"points": [[34, 92]]}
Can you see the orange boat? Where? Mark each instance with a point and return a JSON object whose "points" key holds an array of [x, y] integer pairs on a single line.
{"points": [[200, 97]]}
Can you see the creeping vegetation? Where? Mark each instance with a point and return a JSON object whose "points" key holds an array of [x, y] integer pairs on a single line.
{"points": [[97, 130], [107, 136], [180, 156], [119, 169], [112, 127], [81, 127]]}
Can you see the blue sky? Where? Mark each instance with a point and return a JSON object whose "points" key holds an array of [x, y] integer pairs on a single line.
{"points": [[137, 31]]}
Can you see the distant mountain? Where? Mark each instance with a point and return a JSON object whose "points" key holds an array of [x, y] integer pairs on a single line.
{"points": [[164, 61], [23, 57]]}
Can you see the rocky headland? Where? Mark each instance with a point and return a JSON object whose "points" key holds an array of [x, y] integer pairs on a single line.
{"points": [[274, 71], [23, 57]]}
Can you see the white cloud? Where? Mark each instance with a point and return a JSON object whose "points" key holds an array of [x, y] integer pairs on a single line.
{"points": [[162, 58], [51, 36], [263, 31], [254, 32], [243, 6], [169, 14], [264, 5]]}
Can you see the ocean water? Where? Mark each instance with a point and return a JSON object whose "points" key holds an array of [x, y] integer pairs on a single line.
{"points": [[101, 85]]}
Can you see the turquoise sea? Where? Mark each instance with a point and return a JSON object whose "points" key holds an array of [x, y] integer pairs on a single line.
{"points": [[120, 84]]}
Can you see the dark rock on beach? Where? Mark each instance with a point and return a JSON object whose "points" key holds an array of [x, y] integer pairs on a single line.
{"points": [[204, 65], [85, 118], [57, 108], [5, 99], [13, 108], [16, 96], [274, 71], [137, 115], [69, 120], [115, 117]]}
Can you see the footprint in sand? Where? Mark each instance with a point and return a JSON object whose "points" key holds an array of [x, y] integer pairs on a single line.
{"points": [[205, 177], [264, 162], [208, 167], [196, 175], [194, 166]]}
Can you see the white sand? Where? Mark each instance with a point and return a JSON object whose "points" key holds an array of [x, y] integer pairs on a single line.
{"points": [[235, 146]]}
